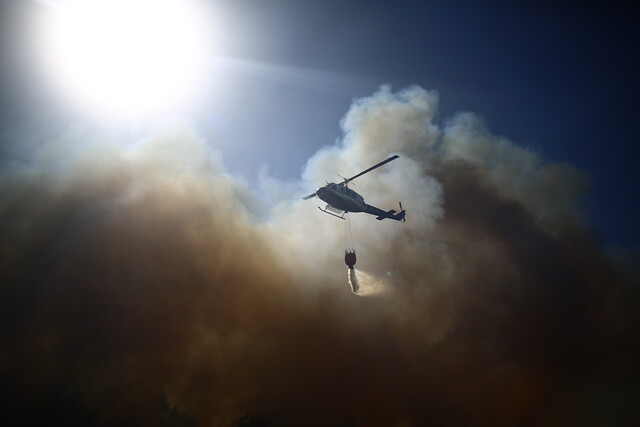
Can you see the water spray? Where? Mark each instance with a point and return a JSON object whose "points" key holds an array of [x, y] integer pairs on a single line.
{"points": [[353, 280]]}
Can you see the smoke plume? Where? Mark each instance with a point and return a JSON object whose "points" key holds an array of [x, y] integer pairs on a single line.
{"points": [[145, 285]]}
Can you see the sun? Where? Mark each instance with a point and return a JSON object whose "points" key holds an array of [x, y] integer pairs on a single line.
{"points": [[126, 58]]}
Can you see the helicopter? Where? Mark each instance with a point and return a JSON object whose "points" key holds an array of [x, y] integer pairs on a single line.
{"points": [[341, 199]]}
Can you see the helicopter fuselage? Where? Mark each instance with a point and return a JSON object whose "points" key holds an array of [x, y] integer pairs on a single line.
{"points": [[341, 197]]}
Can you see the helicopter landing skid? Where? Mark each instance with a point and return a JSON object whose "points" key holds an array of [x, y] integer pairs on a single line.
{"points": [[332, 214]]}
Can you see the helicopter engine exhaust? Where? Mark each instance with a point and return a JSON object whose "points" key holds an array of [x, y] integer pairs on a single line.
{"points": [[350, 258]]}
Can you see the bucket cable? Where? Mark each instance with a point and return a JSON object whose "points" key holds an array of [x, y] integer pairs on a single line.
{"points": [[348, 235]]}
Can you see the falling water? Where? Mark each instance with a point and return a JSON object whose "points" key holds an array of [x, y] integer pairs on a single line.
{"points": [[353, 280]]}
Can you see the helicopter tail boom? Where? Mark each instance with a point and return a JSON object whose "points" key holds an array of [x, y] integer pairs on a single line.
{"points": [[390, 214]]}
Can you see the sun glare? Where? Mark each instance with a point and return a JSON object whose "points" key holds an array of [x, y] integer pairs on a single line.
{"points": [[126, 58]]}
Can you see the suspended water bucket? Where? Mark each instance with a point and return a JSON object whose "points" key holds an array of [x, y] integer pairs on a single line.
{"points": [[350, 258]]}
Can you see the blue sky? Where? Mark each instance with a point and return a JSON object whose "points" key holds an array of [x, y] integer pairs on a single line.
{"points": [[557, 77]]}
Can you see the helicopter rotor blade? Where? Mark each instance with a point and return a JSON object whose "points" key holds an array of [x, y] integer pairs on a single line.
{"points": [[384, 162]]}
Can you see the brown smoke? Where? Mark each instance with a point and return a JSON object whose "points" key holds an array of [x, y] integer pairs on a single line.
{"points": [[140, 287]]}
